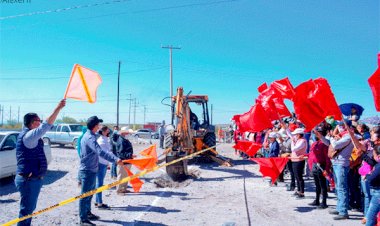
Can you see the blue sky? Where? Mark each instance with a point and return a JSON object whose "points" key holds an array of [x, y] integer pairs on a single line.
{"points": [[228, 48]]}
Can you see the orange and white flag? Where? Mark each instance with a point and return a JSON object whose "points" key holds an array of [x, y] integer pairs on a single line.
{"points": [[83, 84]]}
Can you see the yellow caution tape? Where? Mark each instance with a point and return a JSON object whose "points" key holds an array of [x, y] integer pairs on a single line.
{"points": [[104, 187]]}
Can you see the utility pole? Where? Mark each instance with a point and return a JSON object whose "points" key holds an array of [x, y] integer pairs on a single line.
{"points": [[134, 113], [144, 113], [10, 113], [18, 115], [129, 115], [171, 77], [118, 95]]}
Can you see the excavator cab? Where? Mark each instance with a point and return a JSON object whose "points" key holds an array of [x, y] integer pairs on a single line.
{"points": [[192, 132]]}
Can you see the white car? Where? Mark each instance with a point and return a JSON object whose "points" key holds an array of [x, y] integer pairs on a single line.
{"points": [[145, 133], [8, 163]]}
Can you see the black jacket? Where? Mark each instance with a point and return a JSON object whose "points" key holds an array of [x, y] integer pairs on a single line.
{"points": [[122, 147]]}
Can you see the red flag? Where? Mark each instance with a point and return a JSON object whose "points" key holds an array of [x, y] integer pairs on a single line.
{"points": [[136, 183], [83, 84], [284, 88], [262, 87], [273, 104], [326, 99], [255, 120], [146, 163], [248, 147], [150, 152], [282, 110], [374, 83], [271, 167], [306, 105]]}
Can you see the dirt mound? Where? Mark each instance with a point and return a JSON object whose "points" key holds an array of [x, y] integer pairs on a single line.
{"points": [[164, 181]]}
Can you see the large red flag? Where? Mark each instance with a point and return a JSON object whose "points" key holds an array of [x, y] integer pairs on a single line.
{"points": [[326, 99], [284, 88], [273, 104], [248, 147], [306, 105], [83, 84], [136, 183], [262, 87], [254, 120], [271, 167], [374, 83]]}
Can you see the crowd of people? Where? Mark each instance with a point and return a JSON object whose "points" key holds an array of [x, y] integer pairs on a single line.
{"points": [[342, 154], [97, 147], [346, 149]]}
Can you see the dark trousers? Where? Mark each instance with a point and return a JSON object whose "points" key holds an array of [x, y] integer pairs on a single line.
{"points": [[320, 184], [298, 168], [162, 141], [292, 177]]}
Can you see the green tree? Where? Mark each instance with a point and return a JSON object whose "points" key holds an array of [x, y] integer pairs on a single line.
{"points": [[67, 119]]}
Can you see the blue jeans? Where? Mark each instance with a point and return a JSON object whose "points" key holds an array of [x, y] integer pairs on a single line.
{"points": [[100, 181], [88, 183], [113, 170], [29, 189], [374, 207], [341, 173], [367, 194]]}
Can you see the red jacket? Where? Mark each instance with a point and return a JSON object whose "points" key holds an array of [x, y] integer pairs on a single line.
{"points": [[318, 154]]}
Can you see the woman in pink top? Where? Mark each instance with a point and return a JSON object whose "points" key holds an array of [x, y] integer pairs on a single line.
{"points": [[298, 148]]}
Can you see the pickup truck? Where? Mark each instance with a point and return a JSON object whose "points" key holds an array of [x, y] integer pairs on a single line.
{"points": [[63, 134]]}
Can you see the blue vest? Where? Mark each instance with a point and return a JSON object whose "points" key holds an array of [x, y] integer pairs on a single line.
{"points": [[30, 160]]}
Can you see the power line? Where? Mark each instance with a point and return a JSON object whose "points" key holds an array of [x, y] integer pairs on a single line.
{"points": [[62, 9]]}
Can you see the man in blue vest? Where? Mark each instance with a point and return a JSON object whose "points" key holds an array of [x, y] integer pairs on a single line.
{"points": [[31, 160]]}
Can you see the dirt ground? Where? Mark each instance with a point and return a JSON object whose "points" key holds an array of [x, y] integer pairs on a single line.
{"points": [[213, 195]]}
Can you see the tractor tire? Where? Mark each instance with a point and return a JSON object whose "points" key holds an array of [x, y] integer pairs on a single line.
{"points": [[210, 140], [168, 141]]}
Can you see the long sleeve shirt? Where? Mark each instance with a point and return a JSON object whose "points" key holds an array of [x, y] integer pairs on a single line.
{"points": [[31, 138], [298, 147], [105, 144], [274, 149], [343, 157], [374, 177], [90, 152]]}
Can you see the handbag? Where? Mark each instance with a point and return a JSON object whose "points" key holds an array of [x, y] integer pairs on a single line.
{"points": [[332, 153]]}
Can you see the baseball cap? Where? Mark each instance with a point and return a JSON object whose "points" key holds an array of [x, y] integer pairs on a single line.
{"points": [[93, 121]]}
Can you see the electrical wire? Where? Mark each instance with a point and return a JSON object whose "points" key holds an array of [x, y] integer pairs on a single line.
{"points": [[62, 9]]}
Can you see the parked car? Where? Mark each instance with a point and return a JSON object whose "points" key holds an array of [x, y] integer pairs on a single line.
{"points": [[8, 163], [145, 133], [63, 134]]}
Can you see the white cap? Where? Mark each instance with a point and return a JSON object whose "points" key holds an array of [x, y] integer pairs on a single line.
{"points": [[298, 131], [272, 135]]}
